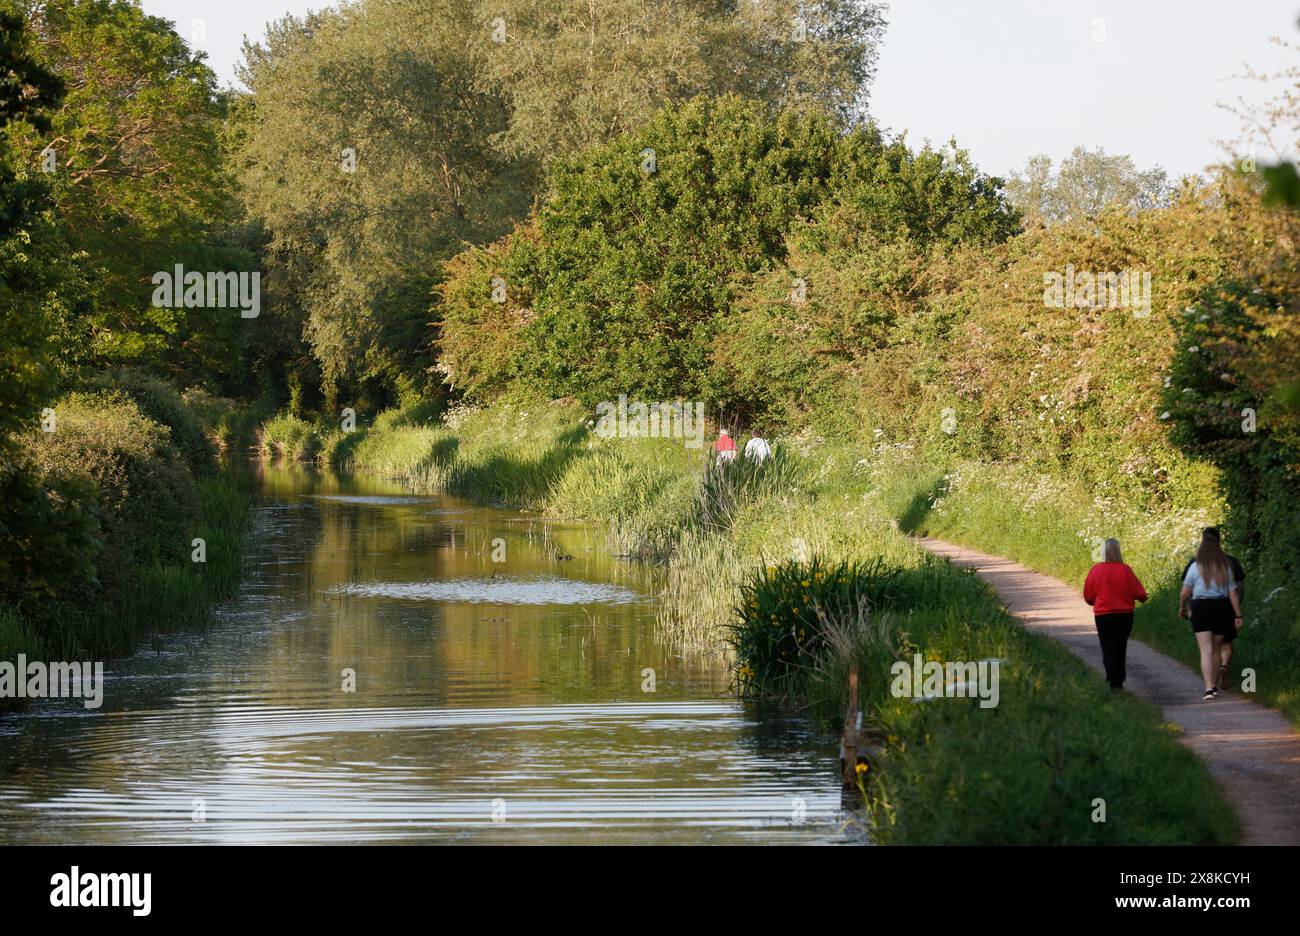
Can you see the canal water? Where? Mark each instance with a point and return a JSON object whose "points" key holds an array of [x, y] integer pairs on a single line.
{"points": [[399, 668]]}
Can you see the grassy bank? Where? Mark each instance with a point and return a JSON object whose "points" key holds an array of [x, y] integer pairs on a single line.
{"points": [[130, 528], [164, 595], [947, 770]]}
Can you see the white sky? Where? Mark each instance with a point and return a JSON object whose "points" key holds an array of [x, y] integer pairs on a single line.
{"points": [[1007, 78]]}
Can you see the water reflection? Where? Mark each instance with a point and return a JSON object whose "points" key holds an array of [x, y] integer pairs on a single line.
{"points": [[494, 700]]}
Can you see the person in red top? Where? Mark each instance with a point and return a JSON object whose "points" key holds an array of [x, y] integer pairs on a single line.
{"points": [[725, 448], [1112, 588]]}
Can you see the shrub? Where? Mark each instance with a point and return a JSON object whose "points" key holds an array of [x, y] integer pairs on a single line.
{"points": [[225, 421], [287, 436], [145, 495], [159, 401], [49, 534], [621, 280]]}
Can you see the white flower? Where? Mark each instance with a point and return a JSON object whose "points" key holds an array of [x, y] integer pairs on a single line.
{"points": [[1165, 414]]}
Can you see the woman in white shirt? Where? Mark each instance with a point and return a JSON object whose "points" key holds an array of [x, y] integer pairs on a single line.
{"points": [[757, 450], [1211, 599]]}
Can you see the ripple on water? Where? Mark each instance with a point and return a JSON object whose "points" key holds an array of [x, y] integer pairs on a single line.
{"points": [[613, 772], [376, 500], [543, 590]]}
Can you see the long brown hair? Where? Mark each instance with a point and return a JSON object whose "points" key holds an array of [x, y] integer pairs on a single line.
{"points": [[1212, 561]]}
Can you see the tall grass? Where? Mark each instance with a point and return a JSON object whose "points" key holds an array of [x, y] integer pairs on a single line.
{"points": [[228, 423], [287, 436], [17, 635], [700, 584]]}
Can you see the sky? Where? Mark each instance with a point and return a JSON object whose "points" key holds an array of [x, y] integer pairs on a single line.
{"points": [[1006, 78]]}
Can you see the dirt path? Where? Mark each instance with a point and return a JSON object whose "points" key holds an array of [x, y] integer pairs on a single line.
{"points": [[1252, 751]]}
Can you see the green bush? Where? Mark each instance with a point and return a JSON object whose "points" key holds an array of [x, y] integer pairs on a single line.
{"points": [[287, 436], [727, 487], [97, 524], [159, 401], [622, 279], [228, 423], [145, 494], [49, 534]]}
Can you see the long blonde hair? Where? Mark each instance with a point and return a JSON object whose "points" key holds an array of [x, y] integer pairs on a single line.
{"points": [[1212, 561]]}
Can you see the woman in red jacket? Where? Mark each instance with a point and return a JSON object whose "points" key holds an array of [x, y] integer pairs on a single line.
{"points": [[1111, 588]]}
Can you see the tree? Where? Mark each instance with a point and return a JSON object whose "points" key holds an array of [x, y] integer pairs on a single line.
{"points": [[1087, 183], [628, 272], [29, 251], [366, 156], [382, 137], [137, 180], [577, 72], [45, 539], [1274, 125]]}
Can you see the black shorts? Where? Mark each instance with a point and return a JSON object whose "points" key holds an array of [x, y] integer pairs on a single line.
{"points": [[1214, 615]]}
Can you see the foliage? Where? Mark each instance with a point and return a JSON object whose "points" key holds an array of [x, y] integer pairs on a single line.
{"points": [[49, 535], [287, 436], [780, 634], [623, 280], [29, 242], [97, 537], [145, 494], [159, 401], [353, 242], [1087, 183], [137, 182], [226, 422], [578, 74], [449, 111], [26, 87]]}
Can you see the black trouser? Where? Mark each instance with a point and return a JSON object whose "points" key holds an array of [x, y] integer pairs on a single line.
{"points": [[1113, 631]]}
